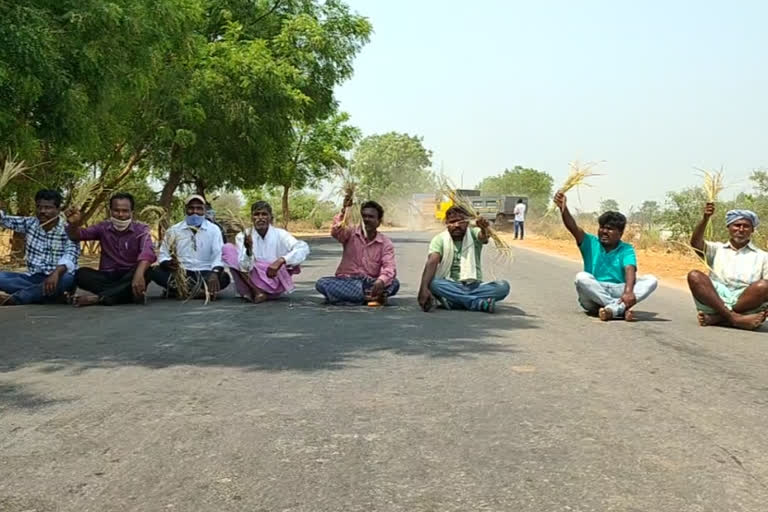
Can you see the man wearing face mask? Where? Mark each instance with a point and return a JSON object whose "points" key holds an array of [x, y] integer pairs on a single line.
{"points": [[609, 285], [196, 244], [735, 293], [126, 255]]}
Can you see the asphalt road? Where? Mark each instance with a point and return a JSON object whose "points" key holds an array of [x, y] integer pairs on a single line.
{"points": [[295, 406]]}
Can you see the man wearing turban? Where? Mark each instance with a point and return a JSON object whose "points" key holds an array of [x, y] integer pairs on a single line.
{"points": [[735, 293]]}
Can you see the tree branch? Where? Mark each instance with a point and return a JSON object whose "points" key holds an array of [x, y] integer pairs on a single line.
{"points": [[273, 9]]}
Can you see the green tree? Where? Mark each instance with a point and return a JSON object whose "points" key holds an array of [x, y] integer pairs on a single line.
{"points": [[609, 205], [647, 215], [391, 167], [316, 150], [534, 184]]}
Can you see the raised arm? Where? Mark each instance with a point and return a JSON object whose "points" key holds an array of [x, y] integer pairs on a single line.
{"points": [[14, 223], [570, 223], [338, 230], [697, 239]]}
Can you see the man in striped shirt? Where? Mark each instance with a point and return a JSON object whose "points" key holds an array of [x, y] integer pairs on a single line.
{"points": [[51, 256], [735, 293]]}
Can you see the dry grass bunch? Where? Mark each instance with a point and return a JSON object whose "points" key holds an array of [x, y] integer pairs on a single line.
{"points": [[577, 177], [12, 169], [447, 189]]}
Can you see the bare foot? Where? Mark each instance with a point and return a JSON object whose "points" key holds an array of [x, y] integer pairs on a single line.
{"points": [[629, 316], [82, 301], [605, 314], [706, 320], [6, 299], [748, 322], [259, 297]]}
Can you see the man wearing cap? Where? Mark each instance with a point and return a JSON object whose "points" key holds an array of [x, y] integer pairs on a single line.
{"points": [[735, 293], [194, 245]]}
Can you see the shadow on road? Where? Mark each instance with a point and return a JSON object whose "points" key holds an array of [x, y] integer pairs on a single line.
{"points": [[299, 334]]}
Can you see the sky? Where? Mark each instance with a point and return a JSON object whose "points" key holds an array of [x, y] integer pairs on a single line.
{"points": [[653, 88]]}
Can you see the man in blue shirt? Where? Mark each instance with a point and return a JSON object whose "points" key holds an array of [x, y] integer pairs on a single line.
{"points": [[609, 285]]}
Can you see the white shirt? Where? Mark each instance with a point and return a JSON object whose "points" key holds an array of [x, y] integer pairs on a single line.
{"points": [[736, 269], [520, 212], [196, 251], [277, 243]]}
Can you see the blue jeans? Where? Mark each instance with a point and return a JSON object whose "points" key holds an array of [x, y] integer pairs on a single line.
{"points": [[520, 228], [26, 289], [468, 296], [594, 294]]}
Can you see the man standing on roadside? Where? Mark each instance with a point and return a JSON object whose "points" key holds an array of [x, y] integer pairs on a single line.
{"points": [[520, 219], [126, 255], [51, 256]]}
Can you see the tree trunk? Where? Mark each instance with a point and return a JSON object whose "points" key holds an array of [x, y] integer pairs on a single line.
{"points": [[173, 182], [200, 186], [286, 210], [108, 188]]}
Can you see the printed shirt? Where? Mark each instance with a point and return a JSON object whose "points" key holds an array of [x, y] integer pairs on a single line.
{"points": [[121, 250], [45, 250], [607, 267], [733, 268], [520, 212], [436, 245], [197, 249], [361, 258], [276, 243]]}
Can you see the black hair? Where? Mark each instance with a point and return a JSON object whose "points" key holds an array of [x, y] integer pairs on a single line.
{"points": [[262, 205], [519, 201], [123, 195], [49, 195], [456, 210], [373, 204], [613, 220]]}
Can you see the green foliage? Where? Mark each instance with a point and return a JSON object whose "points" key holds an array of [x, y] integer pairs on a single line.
{"points": [[391, 167], [536, 185], [648, 215], [609, 205], [305, 206], [207, 92]]}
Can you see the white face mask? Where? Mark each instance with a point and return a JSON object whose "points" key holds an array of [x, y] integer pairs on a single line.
{"points": [[120, 225]]}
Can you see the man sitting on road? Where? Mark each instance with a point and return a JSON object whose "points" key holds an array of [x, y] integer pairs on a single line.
{"points": [[195, 244], [609, 285], [263, 259], [367, 272], [736, 291], [453, 272], [51, 256]]}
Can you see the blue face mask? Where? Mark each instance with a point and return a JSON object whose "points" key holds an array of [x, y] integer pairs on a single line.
{"points": [[195, 220]]}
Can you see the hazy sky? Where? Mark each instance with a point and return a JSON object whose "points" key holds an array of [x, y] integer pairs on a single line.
{"points": [[655, 88]]}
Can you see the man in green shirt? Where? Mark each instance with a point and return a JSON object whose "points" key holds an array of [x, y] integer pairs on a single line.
{"points": [[609, 285], [453, 274]]}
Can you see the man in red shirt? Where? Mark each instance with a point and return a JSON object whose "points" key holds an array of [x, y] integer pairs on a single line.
{"points": [[367, 272]]}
